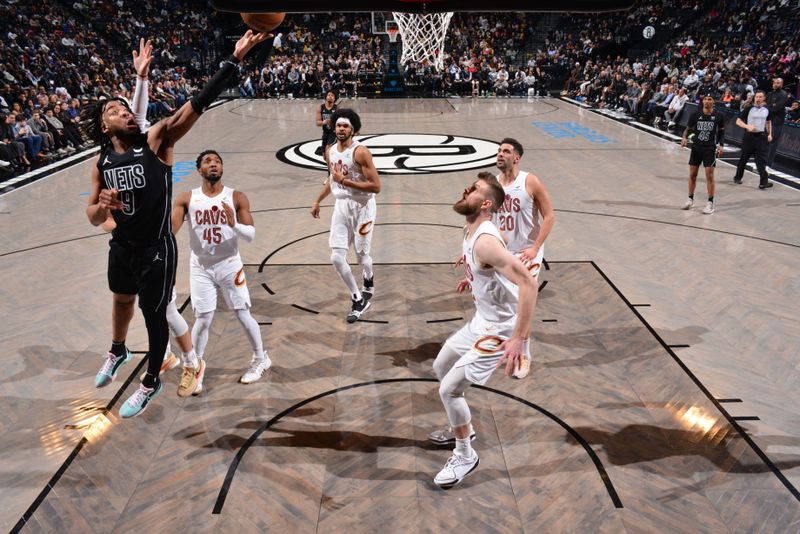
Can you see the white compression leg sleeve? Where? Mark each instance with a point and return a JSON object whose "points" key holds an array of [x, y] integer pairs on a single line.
{"points": [[177, 324], [451, 388], [252, 330], [365, 260], [451, 391], [446, 358], [202, 324], [339, 261]]}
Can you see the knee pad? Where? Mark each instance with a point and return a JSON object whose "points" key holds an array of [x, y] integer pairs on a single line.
{"points": [[177, 324], [339, 257]]}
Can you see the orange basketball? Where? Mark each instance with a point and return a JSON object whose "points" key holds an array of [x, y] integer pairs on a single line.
{"points": [[263, 22]]}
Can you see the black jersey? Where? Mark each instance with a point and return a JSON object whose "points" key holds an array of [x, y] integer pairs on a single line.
{"points": [[327, 114], [709, 129], [144, 183]]}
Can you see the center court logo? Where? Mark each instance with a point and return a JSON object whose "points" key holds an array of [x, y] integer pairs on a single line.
{"points": [[405, 153]]}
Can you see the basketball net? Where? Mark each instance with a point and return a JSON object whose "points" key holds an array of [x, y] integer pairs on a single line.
{"points": [[423, 37]]}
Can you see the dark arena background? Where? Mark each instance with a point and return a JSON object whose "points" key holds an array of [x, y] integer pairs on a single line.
{"points": [[663, 394]]}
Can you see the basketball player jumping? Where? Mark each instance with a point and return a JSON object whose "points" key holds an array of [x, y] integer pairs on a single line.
{"points": [[519, 217], [132, 181], [354, 182], [505, 296], [218, 217], [176, 322], [709, 129]]}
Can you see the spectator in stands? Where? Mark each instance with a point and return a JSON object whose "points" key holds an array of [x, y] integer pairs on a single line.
{"points": [[676, 108], [64, 138], [663, 105], [631, 97], [39, 127], [501, 81], [24, 133], [707, 87], [13, 150], [793, 115]]}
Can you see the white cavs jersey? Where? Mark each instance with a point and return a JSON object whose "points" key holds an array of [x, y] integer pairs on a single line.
{"points": [[211, 239], [518, 217], [495, 297], [345, 163]]}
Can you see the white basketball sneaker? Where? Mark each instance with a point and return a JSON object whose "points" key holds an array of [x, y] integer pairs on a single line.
{"points": [[455, 470], [688, 204], [709, 209], [257, 368]]}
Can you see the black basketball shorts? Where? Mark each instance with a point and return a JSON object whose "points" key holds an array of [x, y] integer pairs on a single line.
{"points": [[146, 271], [706, 155]]}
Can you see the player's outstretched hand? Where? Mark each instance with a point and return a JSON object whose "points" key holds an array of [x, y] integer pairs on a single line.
{"points": [[143, 58], [229, 214], [315, 210], [248, 41], [512, 354], [108, 200]]}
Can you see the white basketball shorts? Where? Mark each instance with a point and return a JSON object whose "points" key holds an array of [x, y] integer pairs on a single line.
{"points": [[352, 223], [227, 276], [478, 342]]}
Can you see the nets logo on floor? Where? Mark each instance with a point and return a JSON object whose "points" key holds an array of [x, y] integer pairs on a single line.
{"points": [[405, 153], [571, 130]]}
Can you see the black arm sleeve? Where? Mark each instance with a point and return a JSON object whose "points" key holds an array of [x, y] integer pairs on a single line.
{"points": [[720, 131], [215, 86]]}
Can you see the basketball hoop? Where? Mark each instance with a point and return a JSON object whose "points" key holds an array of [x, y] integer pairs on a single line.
{"points": [[393, 32], [423, 36]]}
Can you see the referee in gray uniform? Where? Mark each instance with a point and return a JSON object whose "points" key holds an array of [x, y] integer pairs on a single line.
{"points": [[757, 122]]}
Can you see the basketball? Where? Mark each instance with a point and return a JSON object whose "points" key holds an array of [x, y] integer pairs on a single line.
{"points": [[263, 22]]}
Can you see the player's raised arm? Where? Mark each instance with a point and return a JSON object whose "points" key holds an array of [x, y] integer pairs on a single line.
{"points": [[163, 136], [141, 64]]}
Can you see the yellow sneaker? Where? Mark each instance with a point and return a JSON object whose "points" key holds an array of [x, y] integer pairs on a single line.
{"points": [[189, 379]]}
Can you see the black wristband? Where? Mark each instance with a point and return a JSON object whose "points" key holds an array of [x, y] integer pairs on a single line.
{"points": [[215, 85]]}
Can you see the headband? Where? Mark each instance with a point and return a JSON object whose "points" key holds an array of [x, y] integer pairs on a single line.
{"points": [[344, 120]]}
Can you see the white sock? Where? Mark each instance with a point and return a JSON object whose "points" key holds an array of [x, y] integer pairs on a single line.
{"points": [[464, 448], [190, 359]]}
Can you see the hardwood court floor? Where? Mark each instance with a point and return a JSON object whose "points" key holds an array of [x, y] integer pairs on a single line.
{"points": [[652, 323]]}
